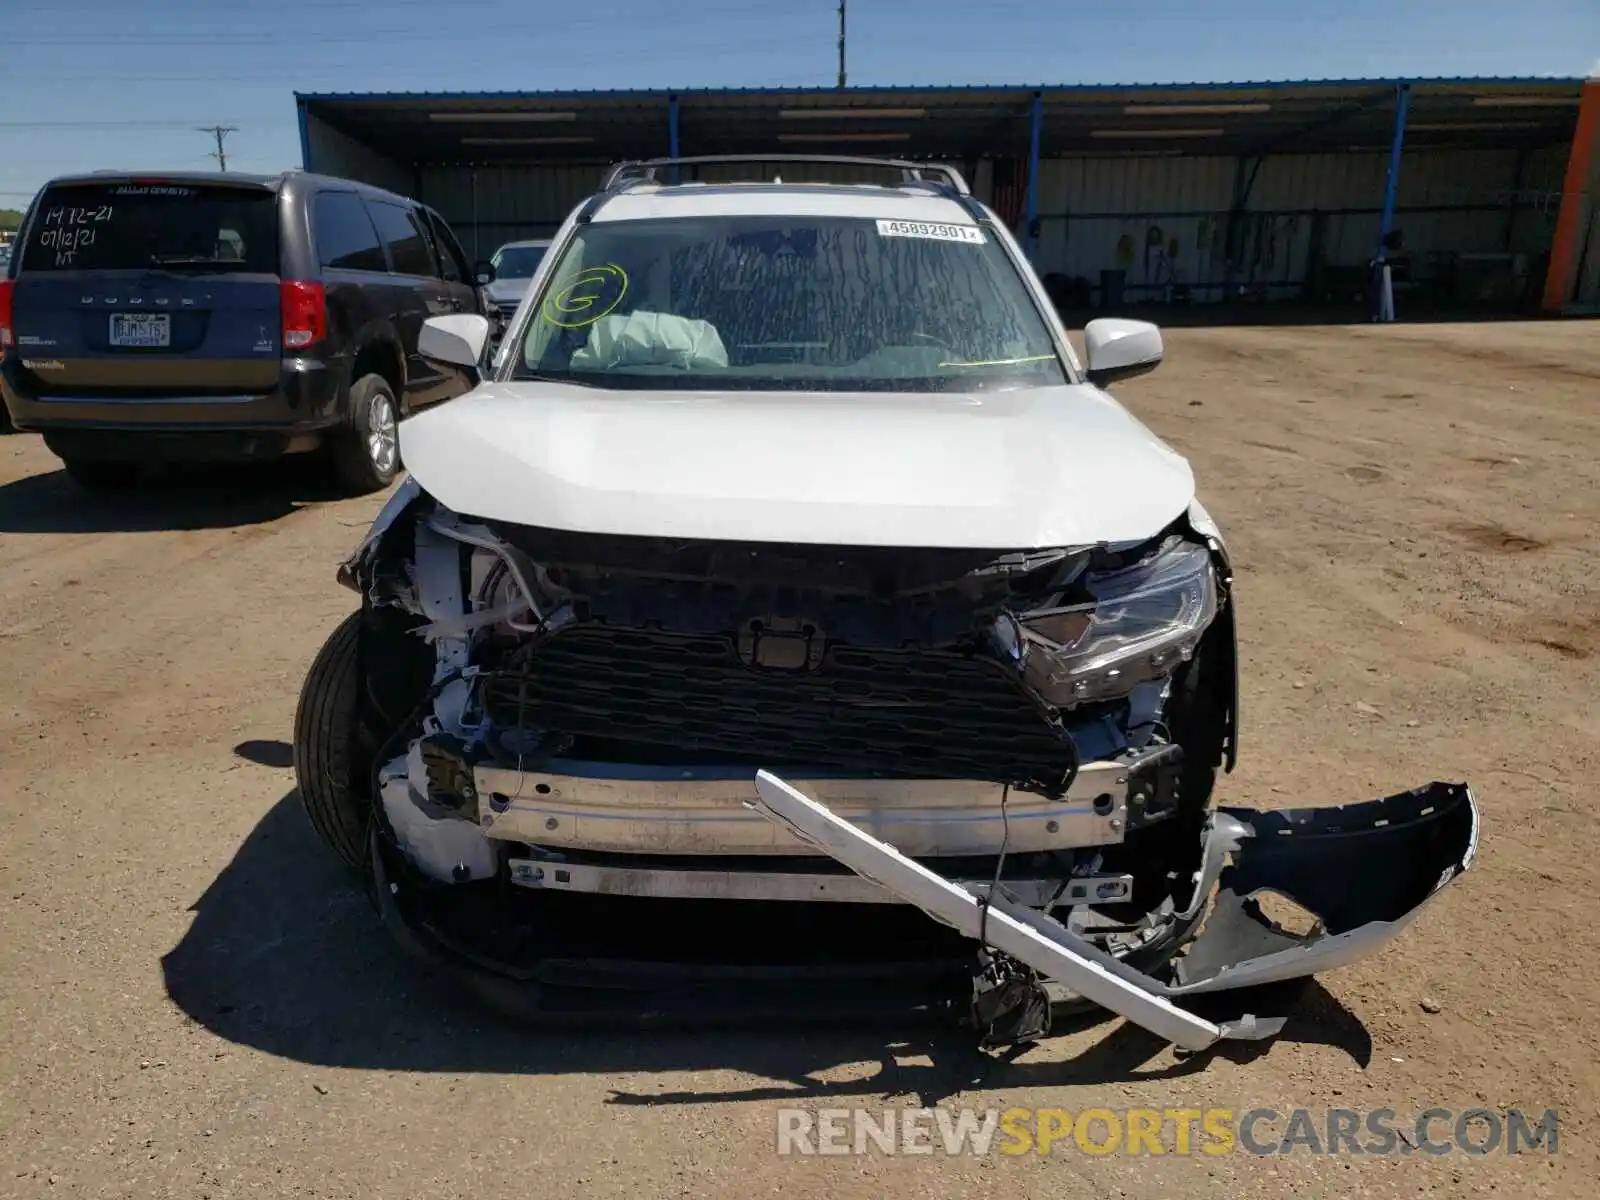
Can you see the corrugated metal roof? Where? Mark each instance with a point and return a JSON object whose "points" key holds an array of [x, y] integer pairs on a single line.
{"points": [[949, 88], [954, 122]]}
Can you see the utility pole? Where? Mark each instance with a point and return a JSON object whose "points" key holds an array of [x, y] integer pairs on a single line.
{"points": [[841, 43], [219, 132]]}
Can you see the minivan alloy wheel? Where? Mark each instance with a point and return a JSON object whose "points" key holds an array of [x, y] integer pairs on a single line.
{"points": [[366, 452], [383, 437]]}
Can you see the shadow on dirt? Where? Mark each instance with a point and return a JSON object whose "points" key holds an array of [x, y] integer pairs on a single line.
{"points": [[208, 497], [266, 752], [287, 955]]}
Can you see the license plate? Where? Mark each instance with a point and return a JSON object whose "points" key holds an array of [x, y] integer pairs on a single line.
{"points": [[141, 330]]}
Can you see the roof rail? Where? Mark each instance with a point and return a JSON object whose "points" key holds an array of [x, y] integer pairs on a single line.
{"points": [[644, 171]]}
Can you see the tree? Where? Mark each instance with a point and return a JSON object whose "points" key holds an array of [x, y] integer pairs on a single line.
{"points": [[10, 219]]}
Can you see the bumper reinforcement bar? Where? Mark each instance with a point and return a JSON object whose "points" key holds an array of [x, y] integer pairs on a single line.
{"points": [[665, 883]]}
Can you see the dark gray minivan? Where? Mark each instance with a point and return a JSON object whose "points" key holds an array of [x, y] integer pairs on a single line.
{"points": [[148, 319]]}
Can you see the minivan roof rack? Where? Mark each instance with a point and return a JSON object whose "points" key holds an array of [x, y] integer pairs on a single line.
{"points": [[644, 171]]}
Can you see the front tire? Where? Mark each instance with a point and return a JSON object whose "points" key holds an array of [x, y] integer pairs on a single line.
{"points": [[366, 455], [326, 756]]}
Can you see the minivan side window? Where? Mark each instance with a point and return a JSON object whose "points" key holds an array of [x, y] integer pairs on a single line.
{"points": [[451, 255], [408, 246], [345, 237], [447, 270]]}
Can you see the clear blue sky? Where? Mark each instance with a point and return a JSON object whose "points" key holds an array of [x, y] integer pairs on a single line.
{"points": [[123, 83]]}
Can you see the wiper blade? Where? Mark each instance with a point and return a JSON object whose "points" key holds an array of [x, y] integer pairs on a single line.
{"points": [[1004, 362], [195, 260]]}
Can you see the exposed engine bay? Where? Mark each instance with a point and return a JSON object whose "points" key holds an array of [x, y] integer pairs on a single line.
{"points": [[1020, 743]]}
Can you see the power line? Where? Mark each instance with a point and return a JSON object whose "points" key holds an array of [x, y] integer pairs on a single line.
{"points": [[94, 125], [150, 11], [269, 74], [219, 132], [229, 33]]}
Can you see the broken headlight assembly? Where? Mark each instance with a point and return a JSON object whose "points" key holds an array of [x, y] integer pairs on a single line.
{"points": [[1142, 622]]}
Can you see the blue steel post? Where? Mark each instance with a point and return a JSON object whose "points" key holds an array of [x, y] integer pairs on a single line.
{"points": [[1032, 242], [305, 136], [1391, 186], [674, 175]]}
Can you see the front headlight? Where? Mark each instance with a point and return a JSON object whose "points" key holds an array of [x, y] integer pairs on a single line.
{"points": [[1143, 622]]}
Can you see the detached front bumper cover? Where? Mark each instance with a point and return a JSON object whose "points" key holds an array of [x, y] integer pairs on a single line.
{"points": [[1364, 870]]}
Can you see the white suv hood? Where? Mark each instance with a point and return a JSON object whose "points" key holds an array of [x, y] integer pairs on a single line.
{"points": [[1059, 466]]}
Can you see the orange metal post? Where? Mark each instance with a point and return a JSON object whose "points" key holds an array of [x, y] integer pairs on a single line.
{"points": [[1576, 195]]}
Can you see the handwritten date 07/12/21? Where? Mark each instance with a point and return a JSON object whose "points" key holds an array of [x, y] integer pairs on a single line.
{"points": [[68, 228]]}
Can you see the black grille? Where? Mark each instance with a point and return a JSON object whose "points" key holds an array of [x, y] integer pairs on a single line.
{"points": [[892, 713]]}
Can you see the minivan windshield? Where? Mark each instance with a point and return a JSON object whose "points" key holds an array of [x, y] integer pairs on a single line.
{"points": [[788, 303], [517, 262], [161, 226]]}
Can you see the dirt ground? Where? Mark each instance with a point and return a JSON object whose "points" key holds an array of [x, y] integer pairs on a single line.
{"points": [[194, 1003]]}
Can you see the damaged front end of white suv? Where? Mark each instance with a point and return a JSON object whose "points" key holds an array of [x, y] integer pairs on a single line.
{"points": [[596, 757], [788, 582]]}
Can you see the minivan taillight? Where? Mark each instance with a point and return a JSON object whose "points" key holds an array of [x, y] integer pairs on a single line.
{"points": [[305, 314], [7, 338]]}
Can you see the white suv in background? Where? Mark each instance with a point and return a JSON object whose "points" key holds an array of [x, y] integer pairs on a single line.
{"points": [[513, 268]]}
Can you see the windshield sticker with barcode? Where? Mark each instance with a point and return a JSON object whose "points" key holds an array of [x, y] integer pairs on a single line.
{"points": [[931, 229]]}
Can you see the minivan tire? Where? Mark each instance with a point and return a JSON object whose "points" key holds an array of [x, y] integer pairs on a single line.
{"points": [[366, 453], [101, 475]]}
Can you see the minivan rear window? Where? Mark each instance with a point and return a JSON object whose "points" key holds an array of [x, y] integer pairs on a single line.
{"points": [[132, 226]]}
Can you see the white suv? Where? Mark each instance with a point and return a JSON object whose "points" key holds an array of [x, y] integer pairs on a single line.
{"points": [[789, 558]]}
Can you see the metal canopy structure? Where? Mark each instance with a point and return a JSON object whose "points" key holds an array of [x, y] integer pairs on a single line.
{"points": [[960, 124], [1323, 172]]}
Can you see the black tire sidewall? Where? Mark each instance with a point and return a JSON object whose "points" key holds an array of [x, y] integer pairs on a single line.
{"points": [[352, 455], [327, 756]]}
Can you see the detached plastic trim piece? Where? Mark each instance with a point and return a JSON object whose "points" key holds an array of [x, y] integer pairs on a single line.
{"points": [[1409, 847]]}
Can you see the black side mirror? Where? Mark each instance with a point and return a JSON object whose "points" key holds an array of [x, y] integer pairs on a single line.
{"points": [[483, 272]]}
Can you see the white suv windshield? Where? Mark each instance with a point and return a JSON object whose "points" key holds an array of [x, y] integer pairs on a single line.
{"points": [[788, 303]]}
